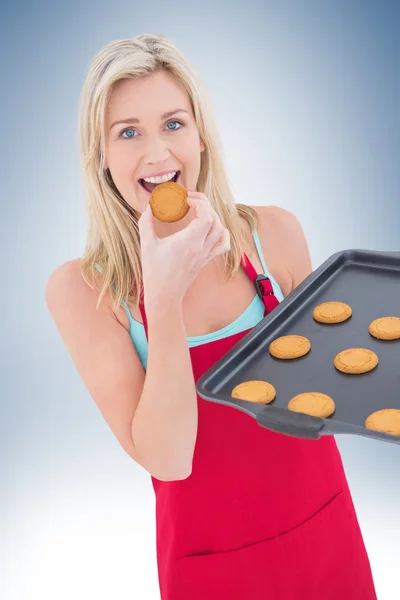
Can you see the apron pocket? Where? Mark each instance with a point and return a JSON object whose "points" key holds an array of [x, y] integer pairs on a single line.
{"points": [[324, 557]]}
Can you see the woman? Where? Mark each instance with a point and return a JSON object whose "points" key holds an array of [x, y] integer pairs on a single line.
{"points": [[242, 512]]}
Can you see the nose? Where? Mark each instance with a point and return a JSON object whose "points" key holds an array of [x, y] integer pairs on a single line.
{"points": [[156, 150]]}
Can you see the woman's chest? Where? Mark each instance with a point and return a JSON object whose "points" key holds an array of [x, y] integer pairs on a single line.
{"points": [[212, 303]]}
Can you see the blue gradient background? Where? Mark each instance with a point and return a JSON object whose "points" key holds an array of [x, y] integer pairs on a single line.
{"points": [[307, 98]]}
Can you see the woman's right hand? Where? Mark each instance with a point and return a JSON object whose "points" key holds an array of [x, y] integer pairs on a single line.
{"points": [[171, 264]]}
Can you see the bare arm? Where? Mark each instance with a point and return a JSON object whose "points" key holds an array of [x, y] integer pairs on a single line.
{"points": [[153, 415], [162, 437], [165, 423]]}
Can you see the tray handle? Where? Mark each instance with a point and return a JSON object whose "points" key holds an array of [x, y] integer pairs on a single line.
{"points": [[290, 423]]}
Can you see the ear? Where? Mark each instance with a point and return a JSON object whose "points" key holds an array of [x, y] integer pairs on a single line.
{"points": [[202, 146]]}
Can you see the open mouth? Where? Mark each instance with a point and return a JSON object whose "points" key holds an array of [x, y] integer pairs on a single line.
{"points": [[149, 187]]}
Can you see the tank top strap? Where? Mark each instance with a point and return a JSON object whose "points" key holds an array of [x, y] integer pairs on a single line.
{"points": [[260, 253]]}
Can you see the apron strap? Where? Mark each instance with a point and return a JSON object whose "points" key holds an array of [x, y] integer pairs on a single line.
{"points": [[261, 282], [143, 313]]}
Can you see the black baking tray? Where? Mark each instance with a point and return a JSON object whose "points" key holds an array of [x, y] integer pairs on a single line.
{"points": [[369, 282]]}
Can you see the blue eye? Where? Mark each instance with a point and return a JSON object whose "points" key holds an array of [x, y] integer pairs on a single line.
{"points": [[130, 132], [175, 128], [126, 131]]}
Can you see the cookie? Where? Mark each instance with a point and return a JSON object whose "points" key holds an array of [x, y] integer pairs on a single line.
{"points": [[332, 312], [289, 346], [168, 202], [386, 420], [255, 391], [356, 360], [315, 404], [385, 328]]}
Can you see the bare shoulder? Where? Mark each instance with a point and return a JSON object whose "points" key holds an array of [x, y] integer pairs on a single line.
{"points": [[66, 277], [67, 287], [275, 219], [283, 230], [101, 349]]}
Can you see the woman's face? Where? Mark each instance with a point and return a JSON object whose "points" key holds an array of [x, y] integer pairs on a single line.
{"points": [[150, 130]]}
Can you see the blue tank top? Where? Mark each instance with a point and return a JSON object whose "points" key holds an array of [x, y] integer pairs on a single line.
{"points": [[253, 314]]}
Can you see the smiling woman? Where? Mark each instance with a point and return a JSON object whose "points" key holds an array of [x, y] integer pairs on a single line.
{"points": [[151, 181], [242, 512], [152, 137]]}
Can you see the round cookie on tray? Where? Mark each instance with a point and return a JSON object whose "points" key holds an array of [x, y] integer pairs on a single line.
{"points": [[315, 404], [386, 420], [356, 361], [255, 391], [290, 346], [385, 328], [332, 312]]}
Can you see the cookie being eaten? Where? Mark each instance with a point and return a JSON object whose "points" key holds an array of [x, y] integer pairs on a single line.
{"points": [[168, 202]]}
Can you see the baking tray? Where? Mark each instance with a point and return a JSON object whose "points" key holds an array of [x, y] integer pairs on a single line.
{"points": [[370, 283]]}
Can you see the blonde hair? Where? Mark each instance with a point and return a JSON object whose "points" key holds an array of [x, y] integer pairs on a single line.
{"points": [[112, 235]]}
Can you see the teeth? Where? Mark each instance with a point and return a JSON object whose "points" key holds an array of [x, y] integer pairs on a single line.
{"points": [[162, 179]]}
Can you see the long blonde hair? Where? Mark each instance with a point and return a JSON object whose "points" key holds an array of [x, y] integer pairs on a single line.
{"points": [[112, 235]]}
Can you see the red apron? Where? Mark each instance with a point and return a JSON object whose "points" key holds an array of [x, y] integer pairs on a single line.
{"points": [[263, 516]]}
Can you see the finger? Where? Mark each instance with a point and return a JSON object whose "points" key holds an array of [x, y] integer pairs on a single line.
{"points": [[216, 230], [146, 225], [203, 220], [221, 247], [196, 194], [196, 199], [215, 233]]}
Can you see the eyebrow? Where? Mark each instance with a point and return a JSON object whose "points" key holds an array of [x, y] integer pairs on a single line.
{"points": [[163, 116]]}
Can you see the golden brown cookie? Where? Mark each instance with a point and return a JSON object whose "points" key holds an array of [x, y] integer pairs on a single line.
{"points": [[168, 202], [332, 312], [386, 420], [385, 328], [289, 346], [315, 404], [356, 360], [255, 391]]}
